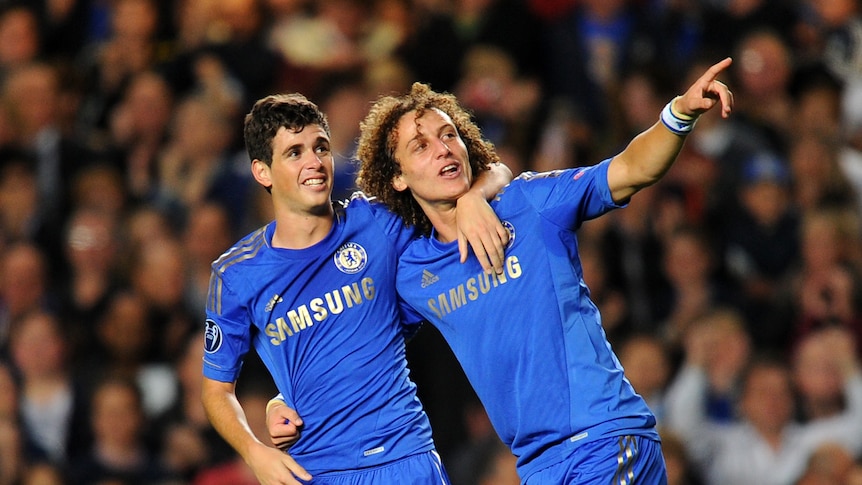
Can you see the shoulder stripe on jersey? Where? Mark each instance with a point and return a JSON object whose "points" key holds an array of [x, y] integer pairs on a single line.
{"points": [[242, 251], [214, 298], [250, 242]]}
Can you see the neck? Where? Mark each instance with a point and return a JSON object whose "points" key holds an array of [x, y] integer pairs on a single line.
{"points": [[443, 218], [771, 435], [43, 388], [299, 231]]}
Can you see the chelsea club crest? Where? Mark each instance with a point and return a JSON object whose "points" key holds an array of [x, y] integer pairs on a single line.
{"points": [[350, 258], [511, 229]]}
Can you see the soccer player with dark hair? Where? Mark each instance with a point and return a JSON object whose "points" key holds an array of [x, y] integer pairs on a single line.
{"points": [[313, 292]]}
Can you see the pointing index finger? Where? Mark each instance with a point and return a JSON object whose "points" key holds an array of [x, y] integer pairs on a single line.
{"points": [[712, 73]]}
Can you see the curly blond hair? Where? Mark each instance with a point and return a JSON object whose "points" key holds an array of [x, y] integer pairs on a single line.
{"points": [[379, 138]]}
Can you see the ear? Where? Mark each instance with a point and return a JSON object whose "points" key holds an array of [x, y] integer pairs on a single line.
{"points": [[261, 173], [398, 183]]}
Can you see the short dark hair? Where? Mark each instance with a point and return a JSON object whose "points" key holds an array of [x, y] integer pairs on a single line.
{"points": [[292, 111]]}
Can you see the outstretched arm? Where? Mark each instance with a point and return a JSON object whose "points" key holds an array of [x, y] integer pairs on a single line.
{"points": [[651, 153], [270, 466], [478, 225]]}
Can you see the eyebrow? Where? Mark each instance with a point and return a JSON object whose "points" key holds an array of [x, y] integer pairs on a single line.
{"points": [[291, 148], [416, 138], [317, 141]]}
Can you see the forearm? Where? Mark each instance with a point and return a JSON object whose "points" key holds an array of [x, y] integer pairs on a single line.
{"points": [[684, 401], [270, 465], [227, 417], [650, 155], [644, 161]]}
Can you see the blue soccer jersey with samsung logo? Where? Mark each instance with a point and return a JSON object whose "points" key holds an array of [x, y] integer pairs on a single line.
{"points": [[530, 340], [325, 322]]}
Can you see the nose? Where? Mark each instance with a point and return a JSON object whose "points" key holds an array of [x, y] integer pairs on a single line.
{"points": [[316, 161], [442, 147]]}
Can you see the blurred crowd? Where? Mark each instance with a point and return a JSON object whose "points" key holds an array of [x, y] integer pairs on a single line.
{"points": [[731, 290]]}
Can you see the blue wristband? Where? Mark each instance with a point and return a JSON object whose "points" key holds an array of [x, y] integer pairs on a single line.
{"points": [[674, 123]]}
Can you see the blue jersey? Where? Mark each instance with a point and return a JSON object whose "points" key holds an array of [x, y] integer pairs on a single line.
{"points": [[530, 340], [325, 322]]}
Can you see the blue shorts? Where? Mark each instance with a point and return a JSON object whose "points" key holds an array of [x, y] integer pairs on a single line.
{"points": [[420, 469], [619, 460]]}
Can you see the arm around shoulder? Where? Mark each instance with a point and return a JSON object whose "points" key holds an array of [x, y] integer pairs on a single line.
{"points": [[490, 181], [478, 225]]}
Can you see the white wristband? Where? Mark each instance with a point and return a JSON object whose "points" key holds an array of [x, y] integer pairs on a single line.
{"points": [[674, 123], [274, 402]]}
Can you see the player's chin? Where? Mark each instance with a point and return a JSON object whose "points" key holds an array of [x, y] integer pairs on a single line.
{"points": [[456, 188]]}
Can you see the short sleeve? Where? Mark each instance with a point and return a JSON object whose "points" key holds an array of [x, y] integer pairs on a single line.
{"points": [[227, 332]]}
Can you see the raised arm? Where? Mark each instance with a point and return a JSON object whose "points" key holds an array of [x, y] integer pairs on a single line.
{"points": [[270, 466], [651, 153], [685, 399], [478, 225]]}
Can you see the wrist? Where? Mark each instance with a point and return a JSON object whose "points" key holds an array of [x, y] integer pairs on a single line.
{"points": [[678, 123], [274, 403], [476, 190], [677, 113]]}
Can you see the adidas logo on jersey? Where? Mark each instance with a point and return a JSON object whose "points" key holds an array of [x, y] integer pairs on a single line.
{"points": [[429, 278], [272, 301]]}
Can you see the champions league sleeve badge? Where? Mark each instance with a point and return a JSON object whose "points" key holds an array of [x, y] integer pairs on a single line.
{"points": [[212, 337], [350, 258]]}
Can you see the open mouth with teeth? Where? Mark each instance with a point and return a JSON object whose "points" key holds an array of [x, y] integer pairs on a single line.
{"points": [[312, 182], [449, 169]]}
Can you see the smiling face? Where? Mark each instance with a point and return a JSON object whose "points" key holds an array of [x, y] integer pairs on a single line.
{"points": [[301, 171], [433, 158]]}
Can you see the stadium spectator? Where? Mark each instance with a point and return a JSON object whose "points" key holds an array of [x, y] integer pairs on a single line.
{"points": [[52, 400], [766, 446], [119, 450]]}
